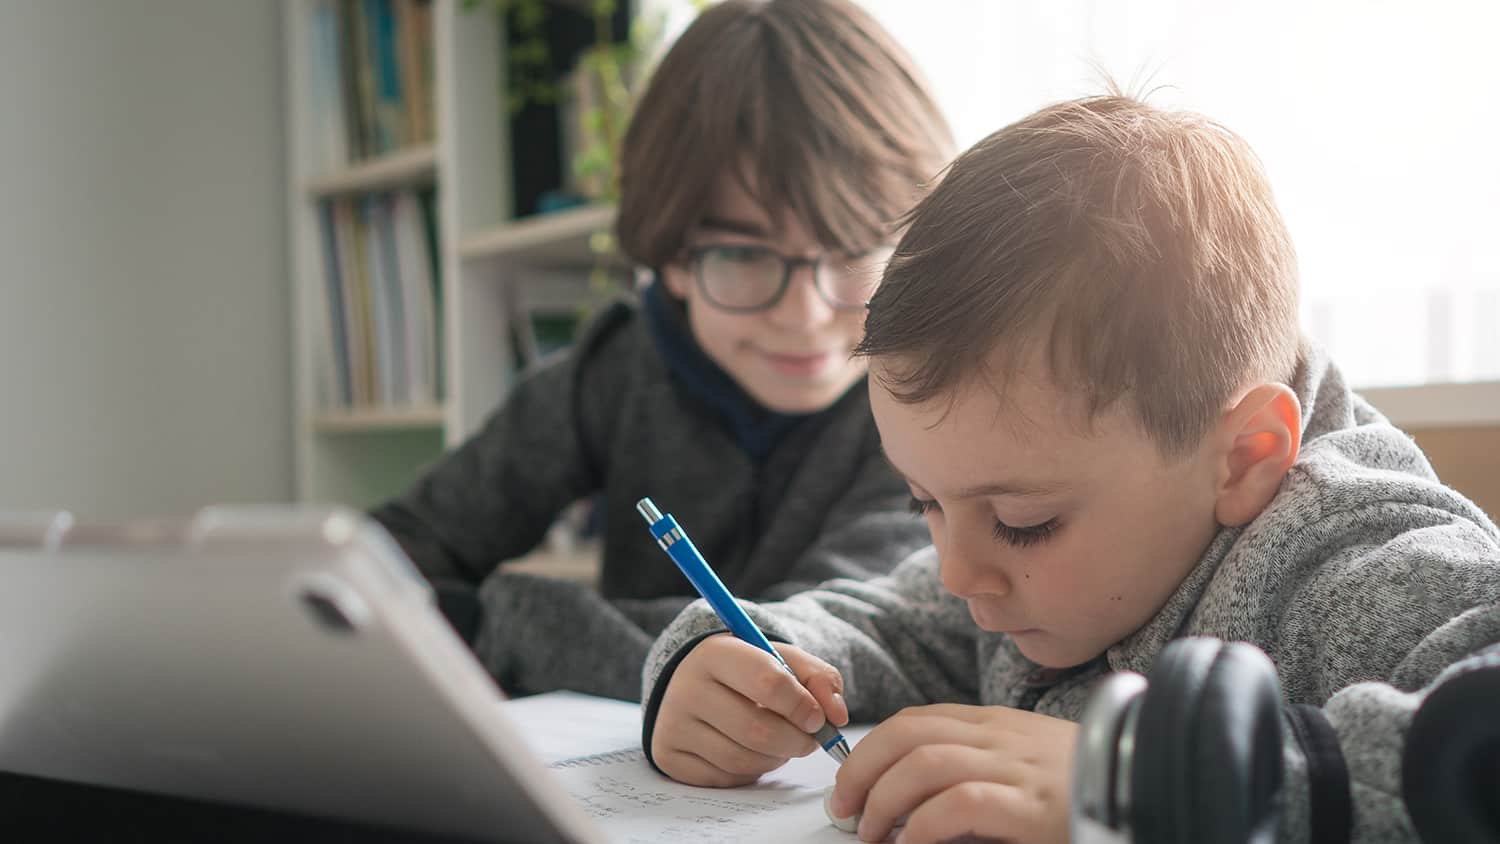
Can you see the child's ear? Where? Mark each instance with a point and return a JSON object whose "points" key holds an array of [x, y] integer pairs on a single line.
{"points": [[678, 277], [1260, 437]]}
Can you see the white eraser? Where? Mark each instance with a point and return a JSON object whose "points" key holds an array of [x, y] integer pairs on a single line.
{"points": [[849, 824]]}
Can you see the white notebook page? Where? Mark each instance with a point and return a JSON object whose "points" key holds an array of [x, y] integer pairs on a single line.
{"points": [[632, 803]]}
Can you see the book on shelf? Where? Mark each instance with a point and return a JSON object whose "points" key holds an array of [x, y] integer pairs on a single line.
{"points": [[413, 271], [328, 98], [360, 314], [337, 388], [383, 318], [427, 206], [381, 314], [372, 80]]}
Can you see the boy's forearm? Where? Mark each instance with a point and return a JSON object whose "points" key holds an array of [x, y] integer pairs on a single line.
{"points": [[539, 634], [1342, 766], [524, 466], [898, 641]]}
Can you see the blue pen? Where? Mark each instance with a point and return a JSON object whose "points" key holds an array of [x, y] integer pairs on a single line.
{"points": [[674, 540]]}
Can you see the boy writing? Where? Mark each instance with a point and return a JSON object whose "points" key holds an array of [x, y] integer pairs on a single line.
{"points": [[1085, 361], [763, 168]]}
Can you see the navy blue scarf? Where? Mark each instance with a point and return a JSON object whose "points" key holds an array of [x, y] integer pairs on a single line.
{"points": [[756, 429]]}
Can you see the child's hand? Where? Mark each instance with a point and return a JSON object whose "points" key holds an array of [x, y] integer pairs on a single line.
{"points": [[959, 771], [730, 713]]}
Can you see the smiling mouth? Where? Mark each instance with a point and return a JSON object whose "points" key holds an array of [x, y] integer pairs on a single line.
{"points": [[797, 365]]}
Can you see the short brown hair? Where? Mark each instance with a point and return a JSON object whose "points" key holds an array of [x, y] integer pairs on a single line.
{"points": [[1141, 246], [826, 109]]}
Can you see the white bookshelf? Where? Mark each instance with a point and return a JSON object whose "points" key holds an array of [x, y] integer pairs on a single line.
{"points": [[563, 239], [407, 168], [408, 418], [358, 456]]}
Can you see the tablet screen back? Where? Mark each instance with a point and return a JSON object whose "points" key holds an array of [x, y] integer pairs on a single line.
{"points": [[291, 659]]}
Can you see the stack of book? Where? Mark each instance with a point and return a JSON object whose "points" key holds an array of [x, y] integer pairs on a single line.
{"points": [[371, 77], [382, 301]]}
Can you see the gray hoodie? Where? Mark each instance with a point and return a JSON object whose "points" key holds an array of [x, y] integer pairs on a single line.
{"points": [[611, 418], [1362, 580]]}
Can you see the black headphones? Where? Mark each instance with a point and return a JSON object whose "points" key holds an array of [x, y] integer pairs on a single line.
{"points": [[1450, 769], [1191, 754]]}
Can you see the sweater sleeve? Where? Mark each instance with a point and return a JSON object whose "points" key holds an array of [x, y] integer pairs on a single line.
{"points": [[900, 640], [494, 497], [1344, 759], [865, 535]]}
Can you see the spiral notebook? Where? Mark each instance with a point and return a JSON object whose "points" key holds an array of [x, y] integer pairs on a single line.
{"points": [[592, 747]]}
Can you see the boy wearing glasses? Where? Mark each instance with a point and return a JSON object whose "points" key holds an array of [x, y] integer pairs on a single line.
{"points": [[761, 174]]}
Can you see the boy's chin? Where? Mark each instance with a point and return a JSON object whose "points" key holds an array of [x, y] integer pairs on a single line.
{"points": [[1049, 652]]}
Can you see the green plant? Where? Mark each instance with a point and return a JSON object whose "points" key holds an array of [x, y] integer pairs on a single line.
{"points": [[607, 67]]}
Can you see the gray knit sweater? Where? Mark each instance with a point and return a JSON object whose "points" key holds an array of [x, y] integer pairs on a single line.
{"points": [[1362, 580], [609, 418]]}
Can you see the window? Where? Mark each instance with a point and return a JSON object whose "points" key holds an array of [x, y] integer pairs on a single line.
{"points": [[1377, 121]]}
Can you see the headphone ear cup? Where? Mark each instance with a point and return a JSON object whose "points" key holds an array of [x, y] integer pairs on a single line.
{"points": [[1239, 746], [1450, 768], [1161, 779], [1207, 764]]}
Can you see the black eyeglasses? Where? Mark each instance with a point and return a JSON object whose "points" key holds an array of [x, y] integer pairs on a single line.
{"points": [[754, 278]]}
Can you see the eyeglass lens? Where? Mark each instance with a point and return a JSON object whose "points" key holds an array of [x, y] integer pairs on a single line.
{"points": [[751, 277]]}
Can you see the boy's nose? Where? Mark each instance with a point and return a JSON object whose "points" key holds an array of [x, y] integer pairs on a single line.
{"points": [[802, 304], [966, 574]]}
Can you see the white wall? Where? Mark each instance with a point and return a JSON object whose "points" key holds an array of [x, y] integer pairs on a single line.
{"points": [[144, 316]]}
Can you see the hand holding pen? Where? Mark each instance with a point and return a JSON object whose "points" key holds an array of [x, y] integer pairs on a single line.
{"points": [[729, 714]]}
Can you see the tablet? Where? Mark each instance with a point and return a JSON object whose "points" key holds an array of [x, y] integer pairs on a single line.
{"points": [[283, 658]]}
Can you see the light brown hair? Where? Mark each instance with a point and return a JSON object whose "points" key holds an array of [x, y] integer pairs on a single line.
{"points": [[1141, 247], [814, 97]]}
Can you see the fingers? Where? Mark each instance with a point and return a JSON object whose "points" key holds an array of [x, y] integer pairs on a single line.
{"points": [[978, 812], [751, 726], [711, 758], [821, 679], [758, 676], [692, 769], [690, 749], [925, 772], [887, 744], [715, 725]]}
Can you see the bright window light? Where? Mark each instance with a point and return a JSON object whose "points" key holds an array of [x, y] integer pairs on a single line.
{"points": [[1377, 122]]}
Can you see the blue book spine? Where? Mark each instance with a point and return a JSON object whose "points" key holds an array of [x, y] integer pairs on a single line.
{"points": [[387, 73], [391, 272], [380, 310], [333, 283], [328, 117]]}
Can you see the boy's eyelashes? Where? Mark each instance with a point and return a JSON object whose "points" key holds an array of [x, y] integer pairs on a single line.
{"points": [[921, 506], [1025, 537], [1020, 537]]}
